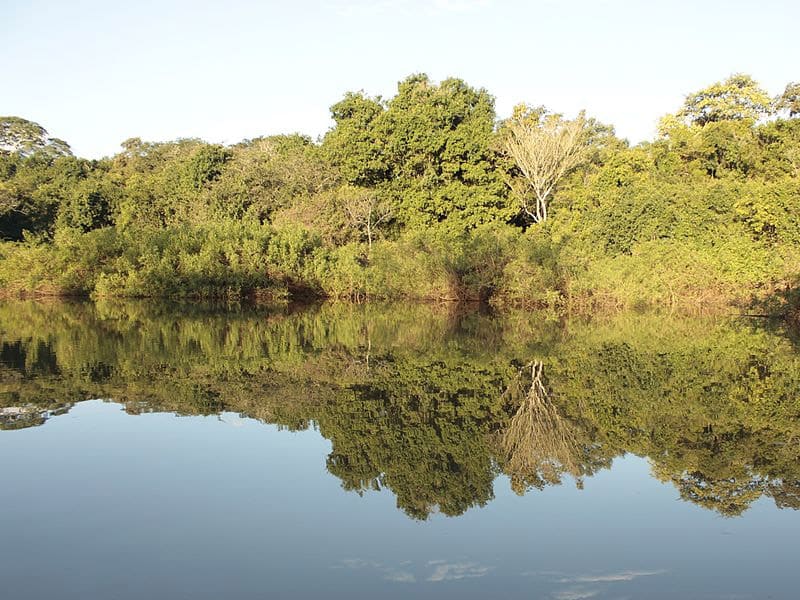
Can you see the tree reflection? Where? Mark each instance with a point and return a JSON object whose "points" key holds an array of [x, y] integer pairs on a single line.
{"points": [[537, 446], [416, 430], [431, 403]]}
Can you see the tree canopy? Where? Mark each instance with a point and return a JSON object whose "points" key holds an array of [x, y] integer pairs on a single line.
{"points": [[789, 100], [737, 97], [26, 138]]}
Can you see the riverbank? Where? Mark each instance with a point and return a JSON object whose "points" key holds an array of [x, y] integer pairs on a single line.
{"points": [[496, 266], [426, 197]]}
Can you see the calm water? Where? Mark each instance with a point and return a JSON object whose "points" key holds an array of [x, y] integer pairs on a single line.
{"points": [[396, 452]]}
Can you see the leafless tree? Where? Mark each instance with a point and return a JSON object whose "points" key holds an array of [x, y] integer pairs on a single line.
{"points": [[365, 210], [545, 147]]}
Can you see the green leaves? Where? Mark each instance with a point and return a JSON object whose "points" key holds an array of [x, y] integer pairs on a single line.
{"points": [[738, 97], [428, 151], [426, 195], [27, 138], [789, 101], [353, 145]]}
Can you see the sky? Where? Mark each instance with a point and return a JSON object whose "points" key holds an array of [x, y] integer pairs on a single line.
{"points": [[95, 73]]}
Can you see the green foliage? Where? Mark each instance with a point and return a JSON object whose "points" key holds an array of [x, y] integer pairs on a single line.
{"points": [[463, 267], [353, 146], [266, 175], [789, 101], [726, 146], [737, 98], [428, 150], [533, 277], [26, 138], [206, 165], [780, 148], [438, 144], [416, 196], [227, 260], [770, 210], [32, 190]]}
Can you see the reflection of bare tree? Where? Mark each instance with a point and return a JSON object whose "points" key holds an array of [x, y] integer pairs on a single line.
{"points": [[538, 446]]}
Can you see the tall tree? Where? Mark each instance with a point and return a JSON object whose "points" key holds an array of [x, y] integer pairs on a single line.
{"points": [[438, 143], [353, 145], [428, 150]]}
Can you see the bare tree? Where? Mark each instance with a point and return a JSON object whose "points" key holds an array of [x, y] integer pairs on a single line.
{"points": [[365, 210], [545, 147]]}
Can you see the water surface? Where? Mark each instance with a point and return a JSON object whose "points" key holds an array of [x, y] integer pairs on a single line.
{"points": [[394, 451]]}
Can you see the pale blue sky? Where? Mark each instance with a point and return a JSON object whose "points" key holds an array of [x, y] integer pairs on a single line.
{"points": [[98, 72]]}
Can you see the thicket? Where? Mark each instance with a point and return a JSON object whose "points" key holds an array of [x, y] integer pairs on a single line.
{"points": [[426, 195]]}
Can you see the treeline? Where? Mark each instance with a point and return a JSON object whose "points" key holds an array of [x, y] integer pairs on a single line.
{"points": [[426, 195], [434, 404]]}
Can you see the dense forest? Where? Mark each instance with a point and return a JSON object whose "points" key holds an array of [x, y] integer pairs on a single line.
{"points": [[425, 195], [433, 403]]}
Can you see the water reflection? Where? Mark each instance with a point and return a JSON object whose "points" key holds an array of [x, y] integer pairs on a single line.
{"points": [[538, 445], [433, 403]]}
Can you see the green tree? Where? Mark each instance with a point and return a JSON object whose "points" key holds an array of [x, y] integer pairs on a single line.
{"points": [[438, 143], [780, 148], [428, 151], [26, 138], [33, 188], [738, 97], [206, 165], [353, 145], [91, 202], [265, 175], [789, 101]]}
